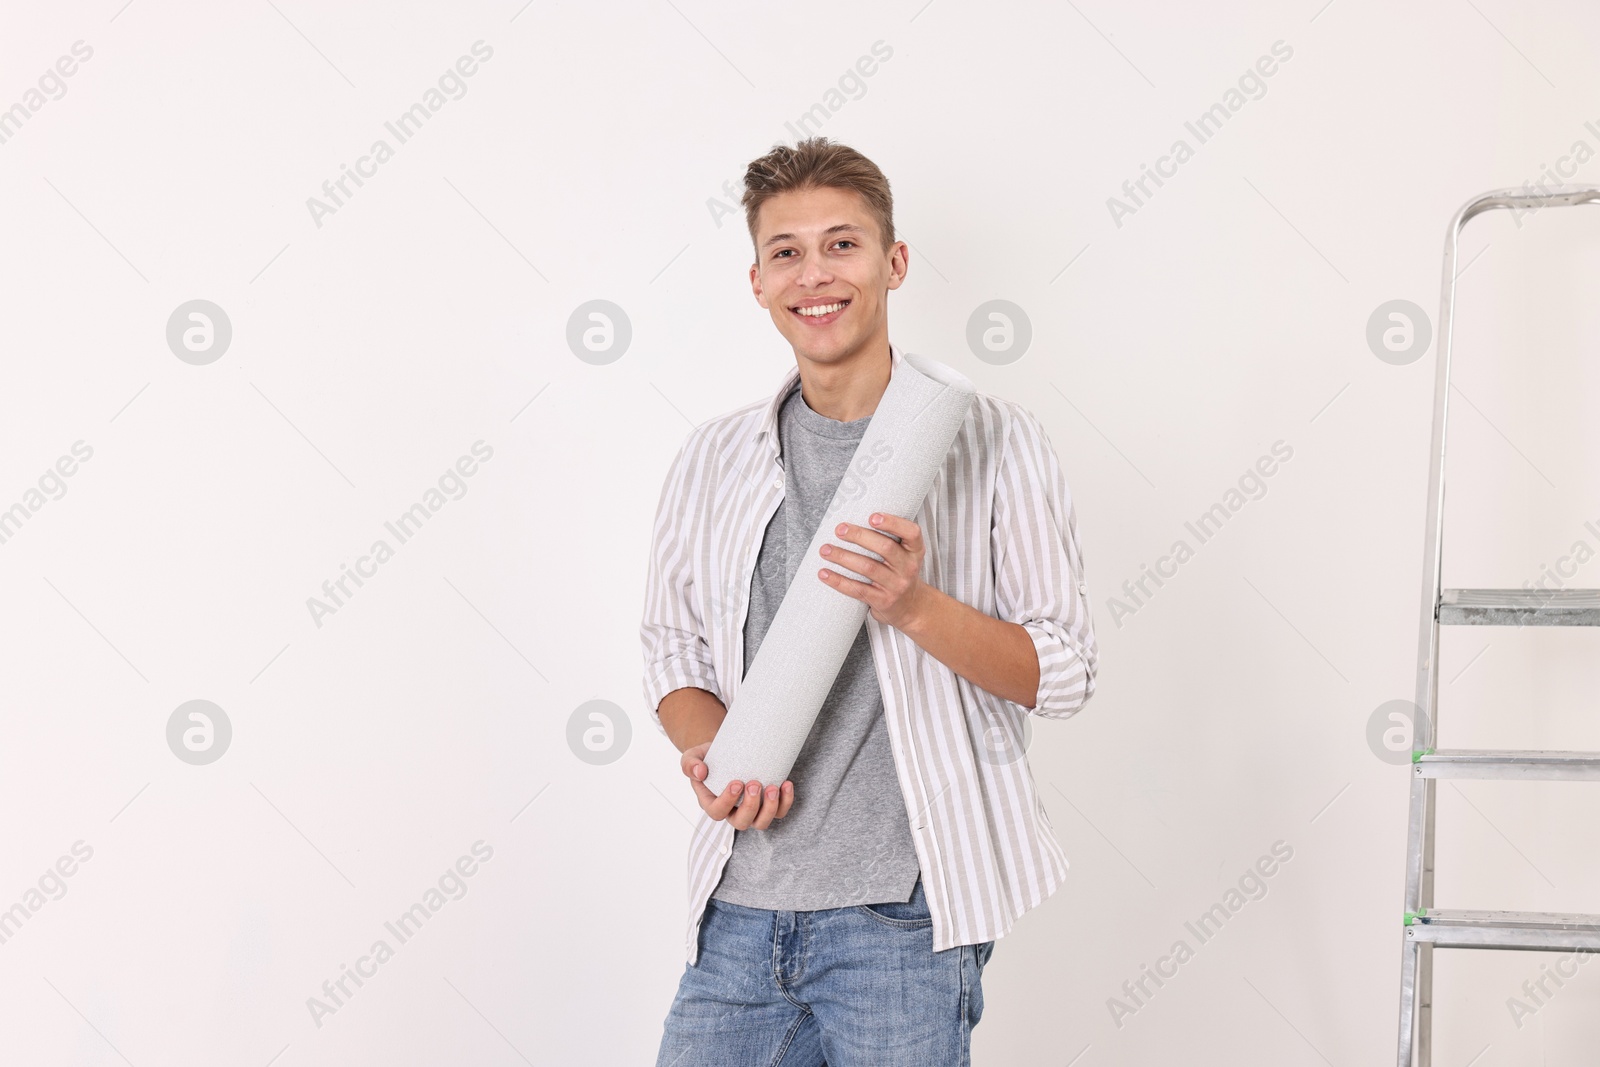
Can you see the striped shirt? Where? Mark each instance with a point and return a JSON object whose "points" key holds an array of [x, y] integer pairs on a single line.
{"points": [[1000, 534]]}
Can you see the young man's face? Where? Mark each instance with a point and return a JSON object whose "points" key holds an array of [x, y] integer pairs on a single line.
{"points": [[820, 247]]}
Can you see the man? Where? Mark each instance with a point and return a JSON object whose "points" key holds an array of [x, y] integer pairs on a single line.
{"points": [[845, 915]]}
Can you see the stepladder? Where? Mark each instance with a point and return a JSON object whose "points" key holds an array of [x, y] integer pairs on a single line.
{"points": [[1425, 928]]}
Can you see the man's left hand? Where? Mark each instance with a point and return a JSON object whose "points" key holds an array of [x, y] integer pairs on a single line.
{"points": [[894, 591]]}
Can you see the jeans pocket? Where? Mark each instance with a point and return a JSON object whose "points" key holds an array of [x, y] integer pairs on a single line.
{"points": [[906, 914]]}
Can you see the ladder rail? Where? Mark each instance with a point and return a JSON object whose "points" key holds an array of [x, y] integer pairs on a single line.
{"points": [[1417, 957], [1427, 681]]}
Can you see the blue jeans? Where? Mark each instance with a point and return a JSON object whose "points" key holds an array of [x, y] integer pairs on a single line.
{"points": [[857, 986]]}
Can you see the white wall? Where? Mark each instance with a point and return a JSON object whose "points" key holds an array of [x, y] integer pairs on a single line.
{"points": [[430, 311]]}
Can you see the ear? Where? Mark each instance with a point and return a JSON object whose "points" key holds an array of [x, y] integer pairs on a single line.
{"points": [[899, 263], [755, 285]]}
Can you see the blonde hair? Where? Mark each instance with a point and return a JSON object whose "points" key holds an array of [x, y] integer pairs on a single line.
{"points": [[818, 163]]}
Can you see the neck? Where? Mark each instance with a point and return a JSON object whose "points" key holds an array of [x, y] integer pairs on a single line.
{"points": [[849, 388]]}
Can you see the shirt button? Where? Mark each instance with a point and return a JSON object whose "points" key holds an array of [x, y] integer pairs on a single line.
{"points": [[1082, 588], [778, 484]]}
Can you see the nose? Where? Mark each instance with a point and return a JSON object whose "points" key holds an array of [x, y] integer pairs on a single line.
{"points": [[815, 273]]}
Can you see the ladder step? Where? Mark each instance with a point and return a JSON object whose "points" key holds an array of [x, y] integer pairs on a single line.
{"points": [[1519, 607], [1544, 764], [1536, 930]]}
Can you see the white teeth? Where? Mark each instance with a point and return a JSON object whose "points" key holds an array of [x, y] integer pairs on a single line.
{"points": [[821, 309]]}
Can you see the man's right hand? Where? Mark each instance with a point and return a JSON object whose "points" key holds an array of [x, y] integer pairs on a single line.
{"points": [[774, 801]]}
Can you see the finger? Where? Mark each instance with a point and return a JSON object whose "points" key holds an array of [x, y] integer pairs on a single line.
{"points": [[909, 533], [694, 756], [786, 799], [749, 807], [894, 555], [721, 805], [739, 815], [875, 597], [704, 795], [848, 586], [863, 565], [877, 540], [769, 806], [690, 765]]}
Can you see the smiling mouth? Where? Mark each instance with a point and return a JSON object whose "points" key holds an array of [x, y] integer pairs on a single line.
{"points": [[821, 312]]}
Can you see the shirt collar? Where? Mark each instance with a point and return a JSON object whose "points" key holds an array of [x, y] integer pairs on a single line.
{"points": [[769, 418]]}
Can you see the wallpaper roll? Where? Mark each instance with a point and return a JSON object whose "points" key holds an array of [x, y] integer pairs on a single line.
{"points": [[891, 471]]}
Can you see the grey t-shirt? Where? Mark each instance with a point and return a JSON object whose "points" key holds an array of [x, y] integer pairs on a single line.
{"points": [[847, 837]]}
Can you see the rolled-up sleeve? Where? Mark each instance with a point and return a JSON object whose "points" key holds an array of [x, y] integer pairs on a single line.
{"points": [[676, 651], [1038, 565]]}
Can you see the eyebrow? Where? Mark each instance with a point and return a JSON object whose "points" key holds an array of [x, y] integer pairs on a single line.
{"points": [[843, 227]]}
